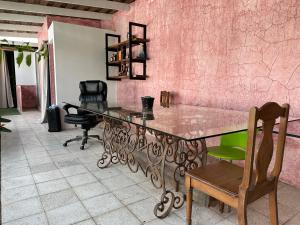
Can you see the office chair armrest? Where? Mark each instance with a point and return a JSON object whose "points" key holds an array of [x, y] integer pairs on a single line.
{"points": [[68, 106]]}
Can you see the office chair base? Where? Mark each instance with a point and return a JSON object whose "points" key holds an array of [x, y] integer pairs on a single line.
{"points": [[84, 139]]}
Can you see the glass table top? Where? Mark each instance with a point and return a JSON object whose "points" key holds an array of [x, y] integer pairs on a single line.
{"points": [[183, 121]]}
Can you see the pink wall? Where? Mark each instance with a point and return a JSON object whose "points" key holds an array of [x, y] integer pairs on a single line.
{"points": [[26, 97], [230, 54]]}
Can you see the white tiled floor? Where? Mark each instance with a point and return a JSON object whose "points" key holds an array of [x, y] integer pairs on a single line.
{"points": [[45, 183]]}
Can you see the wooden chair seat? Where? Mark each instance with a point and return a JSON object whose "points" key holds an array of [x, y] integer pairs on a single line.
{"points": [[222, 175]]}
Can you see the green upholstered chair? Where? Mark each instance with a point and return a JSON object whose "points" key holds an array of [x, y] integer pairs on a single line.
{"points": [[232, 147]]}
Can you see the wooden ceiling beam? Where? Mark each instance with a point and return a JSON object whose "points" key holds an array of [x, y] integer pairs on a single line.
{"points": [[21, 18], [34, 8], [17, 27], [104, 4], [17, 34]]}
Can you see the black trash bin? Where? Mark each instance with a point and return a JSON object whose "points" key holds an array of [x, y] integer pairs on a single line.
{"points": [[53, 117]]}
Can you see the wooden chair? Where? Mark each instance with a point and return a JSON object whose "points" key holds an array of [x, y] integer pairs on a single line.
{"points": [[165, 98], [237, 186]]}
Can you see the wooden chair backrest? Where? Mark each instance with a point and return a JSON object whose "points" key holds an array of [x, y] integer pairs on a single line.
{"points": [[165, 98], [268, 114]]}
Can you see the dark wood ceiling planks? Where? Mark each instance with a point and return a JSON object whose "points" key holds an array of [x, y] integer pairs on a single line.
{"points": [[54, 4]]}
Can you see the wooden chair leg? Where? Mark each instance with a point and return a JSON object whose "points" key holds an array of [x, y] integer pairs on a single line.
{"points": [[242, 209], [189, 200], [242, 215], [273, 207]]}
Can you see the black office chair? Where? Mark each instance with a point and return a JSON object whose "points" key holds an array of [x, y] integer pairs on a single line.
{"points": [[91, 91]]}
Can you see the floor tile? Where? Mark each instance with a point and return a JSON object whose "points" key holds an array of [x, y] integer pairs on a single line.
{"points": [[76, 213], [38, 219], [41, 168], [54, 147], [90, 190], [52, 186], [144, 209], [15, 164], [13, 158], [21, 209], [289, 196], [58, 199], [17, 194], [131, 194], [155, 222], [40, 154], [225, 222], [81, 179], [138, 177], [86, 222], [73, 170], [120, 216], [67, 162], [17, 182], [92, 167], [15, 172], [47, 176], [37, 161], [252, 216], [102, 204], [294, 221], [284, 212], [173, 219], [117, 182], [57, 152], [33, 147], [106, 172]]}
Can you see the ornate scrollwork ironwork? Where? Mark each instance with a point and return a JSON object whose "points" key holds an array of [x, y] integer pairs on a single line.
{"points": [[122, 141]]}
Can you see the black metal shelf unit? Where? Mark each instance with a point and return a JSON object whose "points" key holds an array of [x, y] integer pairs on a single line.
{"points": [[128, 61]]}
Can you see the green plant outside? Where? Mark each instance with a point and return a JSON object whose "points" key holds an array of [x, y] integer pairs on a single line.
{"points": [[23, 49]]}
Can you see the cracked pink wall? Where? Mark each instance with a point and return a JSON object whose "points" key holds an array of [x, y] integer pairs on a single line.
{"points": [[229, 54]]}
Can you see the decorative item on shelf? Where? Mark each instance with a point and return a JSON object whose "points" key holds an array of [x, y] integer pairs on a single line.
{"points": [[141, 54], [147, 103], [124, 70], [165, 99], [112, 58], [119, 58]]}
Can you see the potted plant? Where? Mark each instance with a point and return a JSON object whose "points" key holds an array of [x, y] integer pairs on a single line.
{"points": [[147, 103], [2, 128]]}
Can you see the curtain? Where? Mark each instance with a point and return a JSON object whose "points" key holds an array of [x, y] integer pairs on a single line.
{"points": [[43, 86], [6, 99]]}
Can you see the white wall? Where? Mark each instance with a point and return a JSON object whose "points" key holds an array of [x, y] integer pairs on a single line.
{"points": [[79, 54], [25, 75]]}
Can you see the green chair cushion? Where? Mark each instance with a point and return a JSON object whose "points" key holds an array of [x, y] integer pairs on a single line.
{"points": [[226, 152]]}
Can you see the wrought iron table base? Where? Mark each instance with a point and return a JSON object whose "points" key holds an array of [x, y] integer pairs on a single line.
{"points": [[123, 141]]}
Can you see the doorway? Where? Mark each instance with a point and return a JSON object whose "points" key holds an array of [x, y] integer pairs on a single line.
{"points": [[12, 75]]}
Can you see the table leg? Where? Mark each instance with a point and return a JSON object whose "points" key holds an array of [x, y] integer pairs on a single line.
{"points": [[185, 155], [121, 142]]}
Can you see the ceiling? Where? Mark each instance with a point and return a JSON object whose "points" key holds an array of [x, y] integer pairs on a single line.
{"points": [[25, 17]]}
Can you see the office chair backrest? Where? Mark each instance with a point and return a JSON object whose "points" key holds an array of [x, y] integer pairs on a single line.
{"points": [[93, 91], [259, 179]]}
